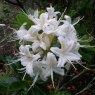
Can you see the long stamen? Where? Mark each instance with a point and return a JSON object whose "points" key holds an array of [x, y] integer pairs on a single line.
{"points": [[24, 76], [62, 14], [52, 77], [83, 66], [36, 77]]}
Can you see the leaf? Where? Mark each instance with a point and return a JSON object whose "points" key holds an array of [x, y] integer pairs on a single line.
{"points": [[18, 85], [23, 18], [5, 81]]}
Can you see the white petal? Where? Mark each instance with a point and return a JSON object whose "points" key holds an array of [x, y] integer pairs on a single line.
{"points": [[61, 62], [43, 45], [34, 28], [62, 41], [25, 50], [47, 41], [46, 73], [72, 57], [35, 46], [51, 59], [43, 18], [29, 69], [56, 50], [68, 18]]}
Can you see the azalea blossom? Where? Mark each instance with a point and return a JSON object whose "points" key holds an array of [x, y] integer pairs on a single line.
{"points": [[51, 12], [48, 46], [51, 66], [65, 53]]}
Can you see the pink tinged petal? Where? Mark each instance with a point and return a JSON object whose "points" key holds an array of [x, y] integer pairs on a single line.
{"points": [[59, 71], [61, 62], [56, 51]]}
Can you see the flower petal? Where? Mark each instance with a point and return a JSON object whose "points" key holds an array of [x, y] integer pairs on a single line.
{"points": [[56, 50], [61, 61]]}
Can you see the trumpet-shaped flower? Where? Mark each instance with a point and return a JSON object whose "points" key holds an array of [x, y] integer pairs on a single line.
{"points": [[66, 54], [23, 34], [51, 13], [26, 56], [51, 66], [51, 26], [39, 22]]}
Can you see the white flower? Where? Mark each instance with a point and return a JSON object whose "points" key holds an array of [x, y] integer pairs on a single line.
{"points": [[51, 66], [26, 56], [51, 12], [67, 29], [66, 53], [50, 26], [48, 45], [39, 22], [23, 34], [42, 41]]}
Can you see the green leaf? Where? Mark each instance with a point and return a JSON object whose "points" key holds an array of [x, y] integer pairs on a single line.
{"points": [[18, 85], [23, 18]]}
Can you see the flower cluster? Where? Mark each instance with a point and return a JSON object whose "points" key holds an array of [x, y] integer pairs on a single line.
{"points": [[49, 45]]}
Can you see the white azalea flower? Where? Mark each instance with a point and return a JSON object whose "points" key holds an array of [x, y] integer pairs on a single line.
{"points": [[23, 34], [51, 63], [65, 54], [54, 45], [50, 26], [67, 29], [42, 41], [51, 12], [26, 56], [39, 22]]}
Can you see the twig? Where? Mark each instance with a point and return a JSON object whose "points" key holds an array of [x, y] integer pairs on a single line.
{"points": [[87, 87], [74, 77]]}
